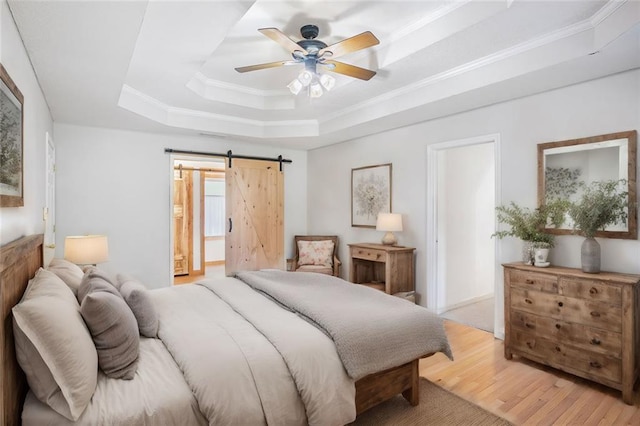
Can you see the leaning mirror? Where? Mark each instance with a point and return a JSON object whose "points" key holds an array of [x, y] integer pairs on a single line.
{"points": [[564, 167]]}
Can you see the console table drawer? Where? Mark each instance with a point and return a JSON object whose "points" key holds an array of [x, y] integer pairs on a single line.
{"points": [[369, 254], [571, 309], [590, 290], [534, 281], [590, 364], [587, 338]]}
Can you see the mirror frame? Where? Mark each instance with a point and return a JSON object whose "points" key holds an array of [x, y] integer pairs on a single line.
{"points": [[632, 222]]}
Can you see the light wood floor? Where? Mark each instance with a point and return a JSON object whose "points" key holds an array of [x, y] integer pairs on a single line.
{"points": [[523, 392], [211, 271]]}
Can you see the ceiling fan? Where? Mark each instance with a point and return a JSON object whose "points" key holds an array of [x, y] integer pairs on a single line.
{"points": [[313, 53]]}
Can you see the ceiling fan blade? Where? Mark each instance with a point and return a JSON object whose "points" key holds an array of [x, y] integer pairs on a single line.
{"points": [[265, 66], [351, 70], [352, 44], [284, 41]]}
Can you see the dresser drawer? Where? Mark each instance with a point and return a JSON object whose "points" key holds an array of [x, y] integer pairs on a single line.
{"points": [[534, 281], [569, 309], [590, 290], [587, 338], [560, 355], [368, 254]]}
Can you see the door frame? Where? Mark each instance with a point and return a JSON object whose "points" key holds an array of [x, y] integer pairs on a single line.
{"points": [[433, 286]]}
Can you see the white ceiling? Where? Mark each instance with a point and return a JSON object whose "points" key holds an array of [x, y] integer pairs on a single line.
{"points": [[168, 66]]}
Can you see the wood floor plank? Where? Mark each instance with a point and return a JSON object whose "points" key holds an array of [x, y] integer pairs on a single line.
{"points": [[521, 391]]}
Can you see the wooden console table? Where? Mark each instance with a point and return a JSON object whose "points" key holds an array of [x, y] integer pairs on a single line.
{"points": [[387, 268], [584, 324]]}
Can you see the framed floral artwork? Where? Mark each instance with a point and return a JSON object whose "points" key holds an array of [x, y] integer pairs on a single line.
{"points": [[11, 142], [370, 194]]}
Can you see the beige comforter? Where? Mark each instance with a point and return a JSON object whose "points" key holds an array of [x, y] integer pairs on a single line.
{"points": [[248, 361]]}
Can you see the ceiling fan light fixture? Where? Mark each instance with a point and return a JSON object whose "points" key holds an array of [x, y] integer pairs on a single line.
{"points": [[315, 90], [305, 77], [295, 86], [327, 81]]}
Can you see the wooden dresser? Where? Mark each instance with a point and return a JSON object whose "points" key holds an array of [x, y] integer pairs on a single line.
{"points": [[387, 268], [584, 324]]}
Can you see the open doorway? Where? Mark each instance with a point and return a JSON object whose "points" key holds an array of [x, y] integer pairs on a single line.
{"points": [[198, 213], [462, 276]]}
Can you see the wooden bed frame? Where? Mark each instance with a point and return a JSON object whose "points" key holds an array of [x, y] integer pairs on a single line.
{"points": [[20, 260]]}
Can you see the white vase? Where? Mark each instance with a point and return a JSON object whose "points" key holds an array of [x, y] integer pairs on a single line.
{"points": [[541, 255]]}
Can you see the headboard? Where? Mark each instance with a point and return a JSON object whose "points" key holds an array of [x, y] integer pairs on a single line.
{"points": [[19, 262]]}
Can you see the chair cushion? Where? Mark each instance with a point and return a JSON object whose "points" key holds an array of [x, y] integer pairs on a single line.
{"points": [[319, 253], [320, 269]]}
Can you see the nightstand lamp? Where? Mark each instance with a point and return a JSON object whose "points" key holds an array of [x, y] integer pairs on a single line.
{"points": [[86, 249], [389, 222]]}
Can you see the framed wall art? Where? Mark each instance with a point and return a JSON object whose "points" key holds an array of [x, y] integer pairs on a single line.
{"points": [[11, 142], [370, 194]]}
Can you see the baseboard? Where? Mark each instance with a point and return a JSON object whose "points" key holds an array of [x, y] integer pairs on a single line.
{"points": [[465, 303]]}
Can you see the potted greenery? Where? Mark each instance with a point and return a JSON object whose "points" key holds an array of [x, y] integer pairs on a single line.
{"points": [[603, 203], [528, 225]]}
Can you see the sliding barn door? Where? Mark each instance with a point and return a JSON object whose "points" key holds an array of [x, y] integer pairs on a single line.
{"points": [[255, 216], [182, 222]]}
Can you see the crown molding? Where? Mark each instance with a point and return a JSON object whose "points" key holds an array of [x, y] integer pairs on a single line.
{"points": [[142, 104]]}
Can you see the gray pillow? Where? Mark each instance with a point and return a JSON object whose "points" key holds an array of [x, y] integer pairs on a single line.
{"points": [[54, 347], [96, 280], [115, 333], [137, 297], [69, 272]]}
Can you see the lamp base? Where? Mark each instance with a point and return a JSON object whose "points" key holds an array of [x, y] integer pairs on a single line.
{"points": [[389, 239]]}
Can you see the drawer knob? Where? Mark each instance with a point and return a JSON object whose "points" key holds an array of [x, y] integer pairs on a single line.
{"points": [[530, 345], [558, 326], [528, 301], [557, 348], [595, 341], [528, 325], [529, 281], [593, 291], [595, 364], [595, 314], [560, 304]]}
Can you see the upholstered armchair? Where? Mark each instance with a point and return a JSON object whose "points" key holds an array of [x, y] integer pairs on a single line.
{"points": [[316, 253]]}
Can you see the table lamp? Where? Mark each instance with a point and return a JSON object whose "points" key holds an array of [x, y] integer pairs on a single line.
{"points": [[389, 222], [86, 249]]}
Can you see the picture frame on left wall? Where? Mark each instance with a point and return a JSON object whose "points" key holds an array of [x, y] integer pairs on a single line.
{"points": [[11, 142]]}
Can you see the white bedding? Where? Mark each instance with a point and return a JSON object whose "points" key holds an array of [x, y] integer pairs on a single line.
{"points": [[158, 395], [248, 361]]}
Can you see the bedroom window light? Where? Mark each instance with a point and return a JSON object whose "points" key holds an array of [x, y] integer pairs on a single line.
{"points": [[86, 249], [214, 208]]}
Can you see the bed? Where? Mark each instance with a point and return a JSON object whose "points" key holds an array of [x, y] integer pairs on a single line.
{"points": [[193, 374]]}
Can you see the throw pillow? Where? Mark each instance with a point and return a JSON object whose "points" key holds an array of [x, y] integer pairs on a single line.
{"points": [[315, 253], [69, 272], [95, 279], [137, 297], [54, 347], [115, 333]]}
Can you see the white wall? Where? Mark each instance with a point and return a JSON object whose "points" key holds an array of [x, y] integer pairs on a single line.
{"points": [[602, 106], [214, 250], [466, 202], [18, 221], [118, 183]]}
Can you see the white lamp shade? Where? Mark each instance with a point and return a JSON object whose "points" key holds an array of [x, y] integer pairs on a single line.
{"points": [[86, 249], [389, 222]]}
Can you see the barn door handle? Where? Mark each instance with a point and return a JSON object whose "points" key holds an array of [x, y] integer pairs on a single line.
{"points": [[230, 225]]}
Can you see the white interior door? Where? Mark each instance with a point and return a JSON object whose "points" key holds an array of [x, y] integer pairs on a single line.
{"points": [[49, 214]]}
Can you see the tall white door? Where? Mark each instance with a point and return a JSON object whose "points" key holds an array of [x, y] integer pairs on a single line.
{"points": [[49, 213]]}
